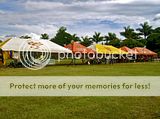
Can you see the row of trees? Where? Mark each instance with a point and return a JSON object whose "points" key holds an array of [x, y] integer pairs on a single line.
{"points": [[144, 36]]}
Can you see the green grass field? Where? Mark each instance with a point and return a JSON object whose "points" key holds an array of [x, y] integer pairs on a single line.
{"points": [[82, 107], [124, 69]]}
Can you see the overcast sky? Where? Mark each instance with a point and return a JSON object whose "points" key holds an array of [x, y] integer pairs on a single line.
{"points": [[82, 17]]}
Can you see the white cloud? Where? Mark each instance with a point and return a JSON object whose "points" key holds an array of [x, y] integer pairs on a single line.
{"points": [[35, 5], [89, 30], [157, 17], [135, 1], [102, 10], [88, 4], [38, 29], [41, 16], [121, 1]]}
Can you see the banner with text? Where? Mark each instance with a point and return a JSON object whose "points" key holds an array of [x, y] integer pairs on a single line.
{"points": [[80, 86]]}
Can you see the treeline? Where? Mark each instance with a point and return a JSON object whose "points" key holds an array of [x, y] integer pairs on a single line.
{"points": [[144, 36]]}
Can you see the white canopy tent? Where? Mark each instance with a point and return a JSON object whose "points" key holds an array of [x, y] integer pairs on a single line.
{"points": [[18, 44]]}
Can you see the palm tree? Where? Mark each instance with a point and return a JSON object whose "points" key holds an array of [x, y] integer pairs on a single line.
{"points": [[110, 37], [129, 33], [44, 36], [97, 37], [74, 37], [86, 41], [145, 30], [157, 30]]}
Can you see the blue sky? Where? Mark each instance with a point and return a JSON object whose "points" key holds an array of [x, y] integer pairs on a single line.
{"points": [[82, 17]]}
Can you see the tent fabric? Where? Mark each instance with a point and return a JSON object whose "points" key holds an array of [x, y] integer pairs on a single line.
{"points": [[127, 49], [18, 44], [77, 47], [144, 51], [100, 49], [1, 44], [114, 50], [106, 49]]}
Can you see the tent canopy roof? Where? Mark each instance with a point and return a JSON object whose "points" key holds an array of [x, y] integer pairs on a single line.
{"points": [[77, 47], [106, 49], [127, 49], [144, 51], [98, 48], [1, 44], [114, 50], [18, 44]]}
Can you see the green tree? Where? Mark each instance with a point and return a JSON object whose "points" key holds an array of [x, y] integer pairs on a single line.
{"points": [[63, 37], [110, 37], [131, 43], [86, 41], [156, 30], [115, 43], [145, 30], [44, 36], [0, 41], [153, 42], [74, 37], [129, 33], [97, 37]]}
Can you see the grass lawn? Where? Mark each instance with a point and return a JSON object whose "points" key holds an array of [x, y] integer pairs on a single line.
{"points": [[124, 69], [82, 107]]}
